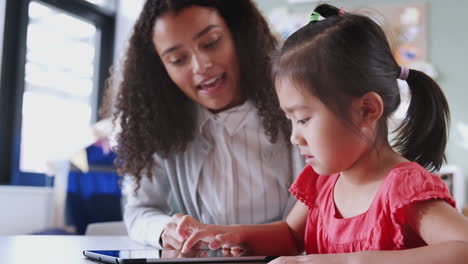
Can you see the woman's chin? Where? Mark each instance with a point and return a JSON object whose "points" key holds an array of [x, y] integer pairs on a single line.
{"points": [[221, 105]]}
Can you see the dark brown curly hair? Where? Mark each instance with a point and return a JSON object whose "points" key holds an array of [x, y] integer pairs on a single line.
{"points": [[149, 104]]}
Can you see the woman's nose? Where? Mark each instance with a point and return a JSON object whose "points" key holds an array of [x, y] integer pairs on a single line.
{"points": [[201, 63]]}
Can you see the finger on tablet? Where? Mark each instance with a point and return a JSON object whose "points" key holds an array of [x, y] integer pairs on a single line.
{"points": [[170, 242], [227, 240], [236, 251], [194, 238], [226, 252]]}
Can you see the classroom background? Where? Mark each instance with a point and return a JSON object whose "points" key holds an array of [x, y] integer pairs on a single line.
{"points": [[56, 163]]}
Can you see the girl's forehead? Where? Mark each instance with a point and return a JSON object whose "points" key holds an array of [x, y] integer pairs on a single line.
{"points": [[293, 93], [290, 85]]}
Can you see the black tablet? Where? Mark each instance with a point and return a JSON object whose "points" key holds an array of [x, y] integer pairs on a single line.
{"points": [[171, 256]]}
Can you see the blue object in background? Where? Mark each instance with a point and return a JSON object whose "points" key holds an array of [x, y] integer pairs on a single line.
{"points": [[94, 196]]}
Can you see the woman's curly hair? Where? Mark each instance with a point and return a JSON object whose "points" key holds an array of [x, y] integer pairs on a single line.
{"points": [[150, 106]]}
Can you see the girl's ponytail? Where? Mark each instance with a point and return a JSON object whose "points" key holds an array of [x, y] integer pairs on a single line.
{"points": [[423, 134]]}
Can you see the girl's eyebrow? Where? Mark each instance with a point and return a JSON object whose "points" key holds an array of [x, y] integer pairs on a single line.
{"points": [[197, 36], [295, 108]]}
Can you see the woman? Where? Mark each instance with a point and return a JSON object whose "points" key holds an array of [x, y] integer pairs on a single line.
{"points": [[201, 130]]}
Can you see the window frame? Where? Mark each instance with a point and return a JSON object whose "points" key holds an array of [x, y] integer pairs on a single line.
{"points": [[13, 73]]}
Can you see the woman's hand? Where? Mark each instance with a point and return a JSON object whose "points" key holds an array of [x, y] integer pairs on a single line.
{"points": [[178, 230], [185, 232], [169, 236]]}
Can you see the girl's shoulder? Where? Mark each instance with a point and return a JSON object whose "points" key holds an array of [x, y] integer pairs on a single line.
{"points": [[409, 182], [309, 186]]}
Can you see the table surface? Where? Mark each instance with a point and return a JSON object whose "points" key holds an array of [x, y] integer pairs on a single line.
{"points": [[58, 249]]}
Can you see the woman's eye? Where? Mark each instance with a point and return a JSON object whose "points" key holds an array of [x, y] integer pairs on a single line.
{"points": [[177, 61], [303, 121], [211, 44]]}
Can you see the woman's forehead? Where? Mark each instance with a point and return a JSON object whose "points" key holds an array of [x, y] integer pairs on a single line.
{"points": [[188, 21]]}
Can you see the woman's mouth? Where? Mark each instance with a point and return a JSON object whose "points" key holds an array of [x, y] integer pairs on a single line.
{"points": [[213, 85]]}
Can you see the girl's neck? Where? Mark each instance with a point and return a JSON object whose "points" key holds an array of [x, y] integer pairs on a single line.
{"points": [[373, 165]]}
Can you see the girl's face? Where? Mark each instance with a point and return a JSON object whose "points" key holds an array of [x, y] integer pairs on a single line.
{"points": [[326, 143], [198, 51]]}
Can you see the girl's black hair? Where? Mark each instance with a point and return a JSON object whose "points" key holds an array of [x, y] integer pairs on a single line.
{"points": [[155, 115], [346, 56]]}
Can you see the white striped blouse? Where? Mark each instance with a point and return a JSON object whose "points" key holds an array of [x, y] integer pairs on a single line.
{"points": [[245, 178]]}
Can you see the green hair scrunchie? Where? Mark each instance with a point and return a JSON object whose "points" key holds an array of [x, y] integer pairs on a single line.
{"points": [[315, 16]]}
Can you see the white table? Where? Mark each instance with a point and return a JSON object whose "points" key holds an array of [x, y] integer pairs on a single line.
{"points": [[59, 249], [68, 249]]}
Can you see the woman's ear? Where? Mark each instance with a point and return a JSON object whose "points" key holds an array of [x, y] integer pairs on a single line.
{"points": [[368, 108]]}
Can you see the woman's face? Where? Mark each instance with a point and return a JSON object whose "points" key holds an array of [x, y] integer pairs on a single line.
{"points": [[198, 51]]}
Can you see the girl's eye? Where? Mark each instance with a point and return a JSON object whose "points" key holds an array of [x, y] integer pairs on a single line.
{"points": [[303, 121]]}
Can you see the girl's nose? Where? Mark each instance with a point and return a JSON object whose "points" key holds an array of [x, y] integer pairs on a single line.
{"points": [[296, 139]]}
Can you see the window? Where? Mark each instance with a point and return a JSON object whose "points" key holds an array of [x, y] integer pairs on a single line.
{"points": [[107, 4], [2, 22], [64, 55]]}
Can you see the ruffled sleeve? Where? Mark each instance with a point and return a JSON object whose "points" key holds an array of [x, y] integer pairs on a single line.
{"points": [[412, 183], [305, 186]]}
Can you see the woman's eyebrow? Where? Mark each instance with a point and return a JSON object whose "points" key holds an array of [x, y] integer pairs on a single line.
{"points": [[197, 36], [204, 31]]}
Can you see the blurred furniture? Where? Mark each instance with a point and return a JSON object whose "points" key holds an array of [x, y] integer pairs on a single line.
{"points": [[455, 180], [94, 196], [25, 209], [116, 228]]}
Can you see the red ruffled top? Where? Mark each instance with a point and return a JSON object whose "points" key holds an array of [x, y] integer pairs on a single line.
{"points": [[382, 226]]}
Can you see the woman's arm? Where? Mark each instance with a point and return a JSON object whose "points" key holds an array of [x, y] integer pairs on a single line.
{"points": [[146, 212], [277, 239]]}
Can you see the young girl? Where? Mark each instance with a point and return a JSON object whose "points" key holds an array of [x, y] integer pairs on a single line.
{"points": [[336, 80]]}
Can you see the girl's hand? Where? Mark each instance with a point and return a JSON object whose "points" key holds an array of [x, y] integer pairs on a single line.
{"points": [[216, 237]]}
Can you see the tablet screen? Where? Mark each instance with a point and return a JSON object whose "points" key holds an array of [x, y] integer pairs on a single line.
{"points": [[171, 256]]}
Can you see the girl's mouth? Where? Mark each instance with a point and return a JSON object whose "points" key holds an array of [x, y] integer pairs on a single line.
{"points": [[308, 158]]}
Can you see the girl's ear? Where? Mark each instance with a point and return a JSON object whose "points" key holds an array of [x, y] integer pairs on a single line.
{"points": [[369, 108]]}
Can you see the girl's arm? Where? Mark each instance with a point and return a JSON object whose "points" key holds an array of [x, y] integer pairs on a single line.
{"points": [[443, 228], [277, 239]]}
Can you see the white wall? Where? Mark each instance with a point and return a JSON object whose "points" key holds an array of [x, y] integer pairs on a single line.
{"points": [[24, 210], [127, 13]]}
